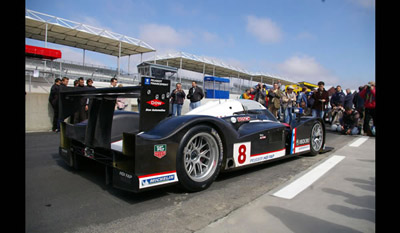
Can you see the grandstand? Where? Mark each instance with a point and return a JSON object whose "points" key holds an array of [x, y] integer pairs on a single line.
{"points": [[208, 66], [41, 70], [46, 71]]}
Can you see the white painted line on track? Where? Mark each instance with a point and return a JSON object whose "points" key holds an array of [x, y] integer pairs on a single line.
{"points": [[300, 184], [358, 142]]}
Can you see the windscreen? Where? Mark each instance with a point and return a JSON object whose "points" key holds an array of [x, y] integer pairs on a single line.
{"points": [[253, 107]]}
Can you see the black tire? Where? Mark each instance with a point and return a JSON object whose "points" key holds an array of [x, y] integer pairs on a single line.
{"points": [[316, 138], [199, 158]]}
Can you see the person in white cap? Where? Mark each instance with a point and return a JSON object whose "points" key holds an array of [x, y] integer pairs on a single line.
{"points": [[288, 102]]}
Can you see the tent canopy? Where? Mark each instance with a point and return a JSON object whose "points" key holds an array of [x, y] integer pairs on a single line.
{"points": [[53, 29]]}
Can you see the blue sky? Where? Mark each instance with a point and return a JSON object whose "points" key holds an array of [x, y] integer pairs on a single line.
{"points": [[303, 40]]}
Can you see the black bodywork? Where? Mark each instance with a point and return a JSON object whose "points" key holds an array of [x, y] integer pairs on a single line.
{"points": [[140, 151]]}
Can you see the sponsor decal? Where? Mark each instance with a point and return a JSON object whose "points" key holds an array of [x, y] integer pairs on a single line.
{"points": [[160, 150], [262, 136], [155, 102], [267, 156], [157, 179], [299, 145], [302, 141], [242, 119], [124, 174], [158, 82], [242, 154], [302, 148], [125, 177], [155, 82], [154, 110]]}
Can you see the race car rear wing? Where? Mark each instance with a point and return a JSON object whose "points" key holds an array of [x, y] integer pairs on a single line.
{"points": [[154, 98]]}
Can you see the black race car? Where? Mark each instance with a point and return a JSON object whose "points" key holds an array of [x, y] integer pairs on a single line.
{"points": [[150, 149]]}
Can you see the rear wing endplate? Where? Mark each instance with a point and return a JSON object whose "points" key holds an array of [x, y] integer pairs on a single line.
{"points": [[154, 97]]}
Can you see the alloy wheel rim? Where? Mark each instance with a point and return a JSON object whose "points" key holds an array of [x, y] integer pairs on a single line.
{"points": [[200, 157], [317, 137]]}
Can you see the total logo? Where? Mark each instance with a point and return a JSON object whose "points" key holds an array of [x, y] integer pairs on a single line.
{"points": [[155, 102]]}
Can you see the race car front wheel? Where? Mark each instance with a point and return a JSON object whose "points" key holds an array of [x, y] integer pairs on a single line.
{"points": [[199, 158], [316, 138]]}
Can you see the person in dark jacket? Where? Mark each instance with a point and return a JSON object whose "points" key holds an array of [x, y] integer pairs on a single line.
{"points": [[89, 101], [338, 97], [348, 99], [349, 122], [321, 99], [177, 98], [195, 95], [358, 102], [81, 115], [53, 99]]}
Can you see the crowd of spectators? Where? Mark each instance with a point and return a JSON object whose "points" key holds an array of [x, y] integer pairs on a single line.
{"points": [[348, 113], [195, 95], [82, 113]]}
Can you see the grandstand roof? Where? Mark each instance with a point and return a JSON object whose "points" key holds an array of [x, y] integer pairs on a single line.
{"points": [[66, 32], [209, 66]]}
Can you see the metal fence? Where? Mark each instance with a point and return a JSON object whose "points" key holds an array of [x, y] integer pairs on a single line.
{"points": [[46, 71]]}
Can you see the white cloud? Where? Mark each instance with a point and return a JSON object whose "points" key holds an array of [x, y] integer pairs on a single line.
{"points": [[305, 36], [305, 68], [264, 29], [212, 40], [367, 4], [178, 9], [210, 37], [164, 36]]}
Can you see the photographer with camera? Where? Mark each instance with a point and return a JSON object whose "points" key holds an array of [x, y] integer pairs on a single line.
{"points": [[177, 98], [288, 102], [260, 94], [274, 102], [368, 94], [349, 122]]}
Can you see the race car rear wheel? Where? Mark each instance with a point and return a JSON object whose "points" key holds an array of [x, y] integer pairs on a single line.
{"points": [[316, 138], [199, 158]]}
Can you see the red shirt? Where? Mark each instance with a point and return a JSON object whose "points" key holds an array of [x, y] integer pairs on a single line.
{"points": [[369, 97]]}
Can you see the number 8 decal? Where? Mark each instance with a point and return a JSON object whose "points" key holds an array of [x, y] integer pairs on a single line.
{"points": [[241, 153]]}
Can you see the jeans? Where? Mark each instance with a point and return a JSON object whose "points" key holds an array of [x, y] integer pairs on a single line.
{"points": [[176, 109], [288, 115], [369, 113], [338, 128], [194, 105], [317, 113]]}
